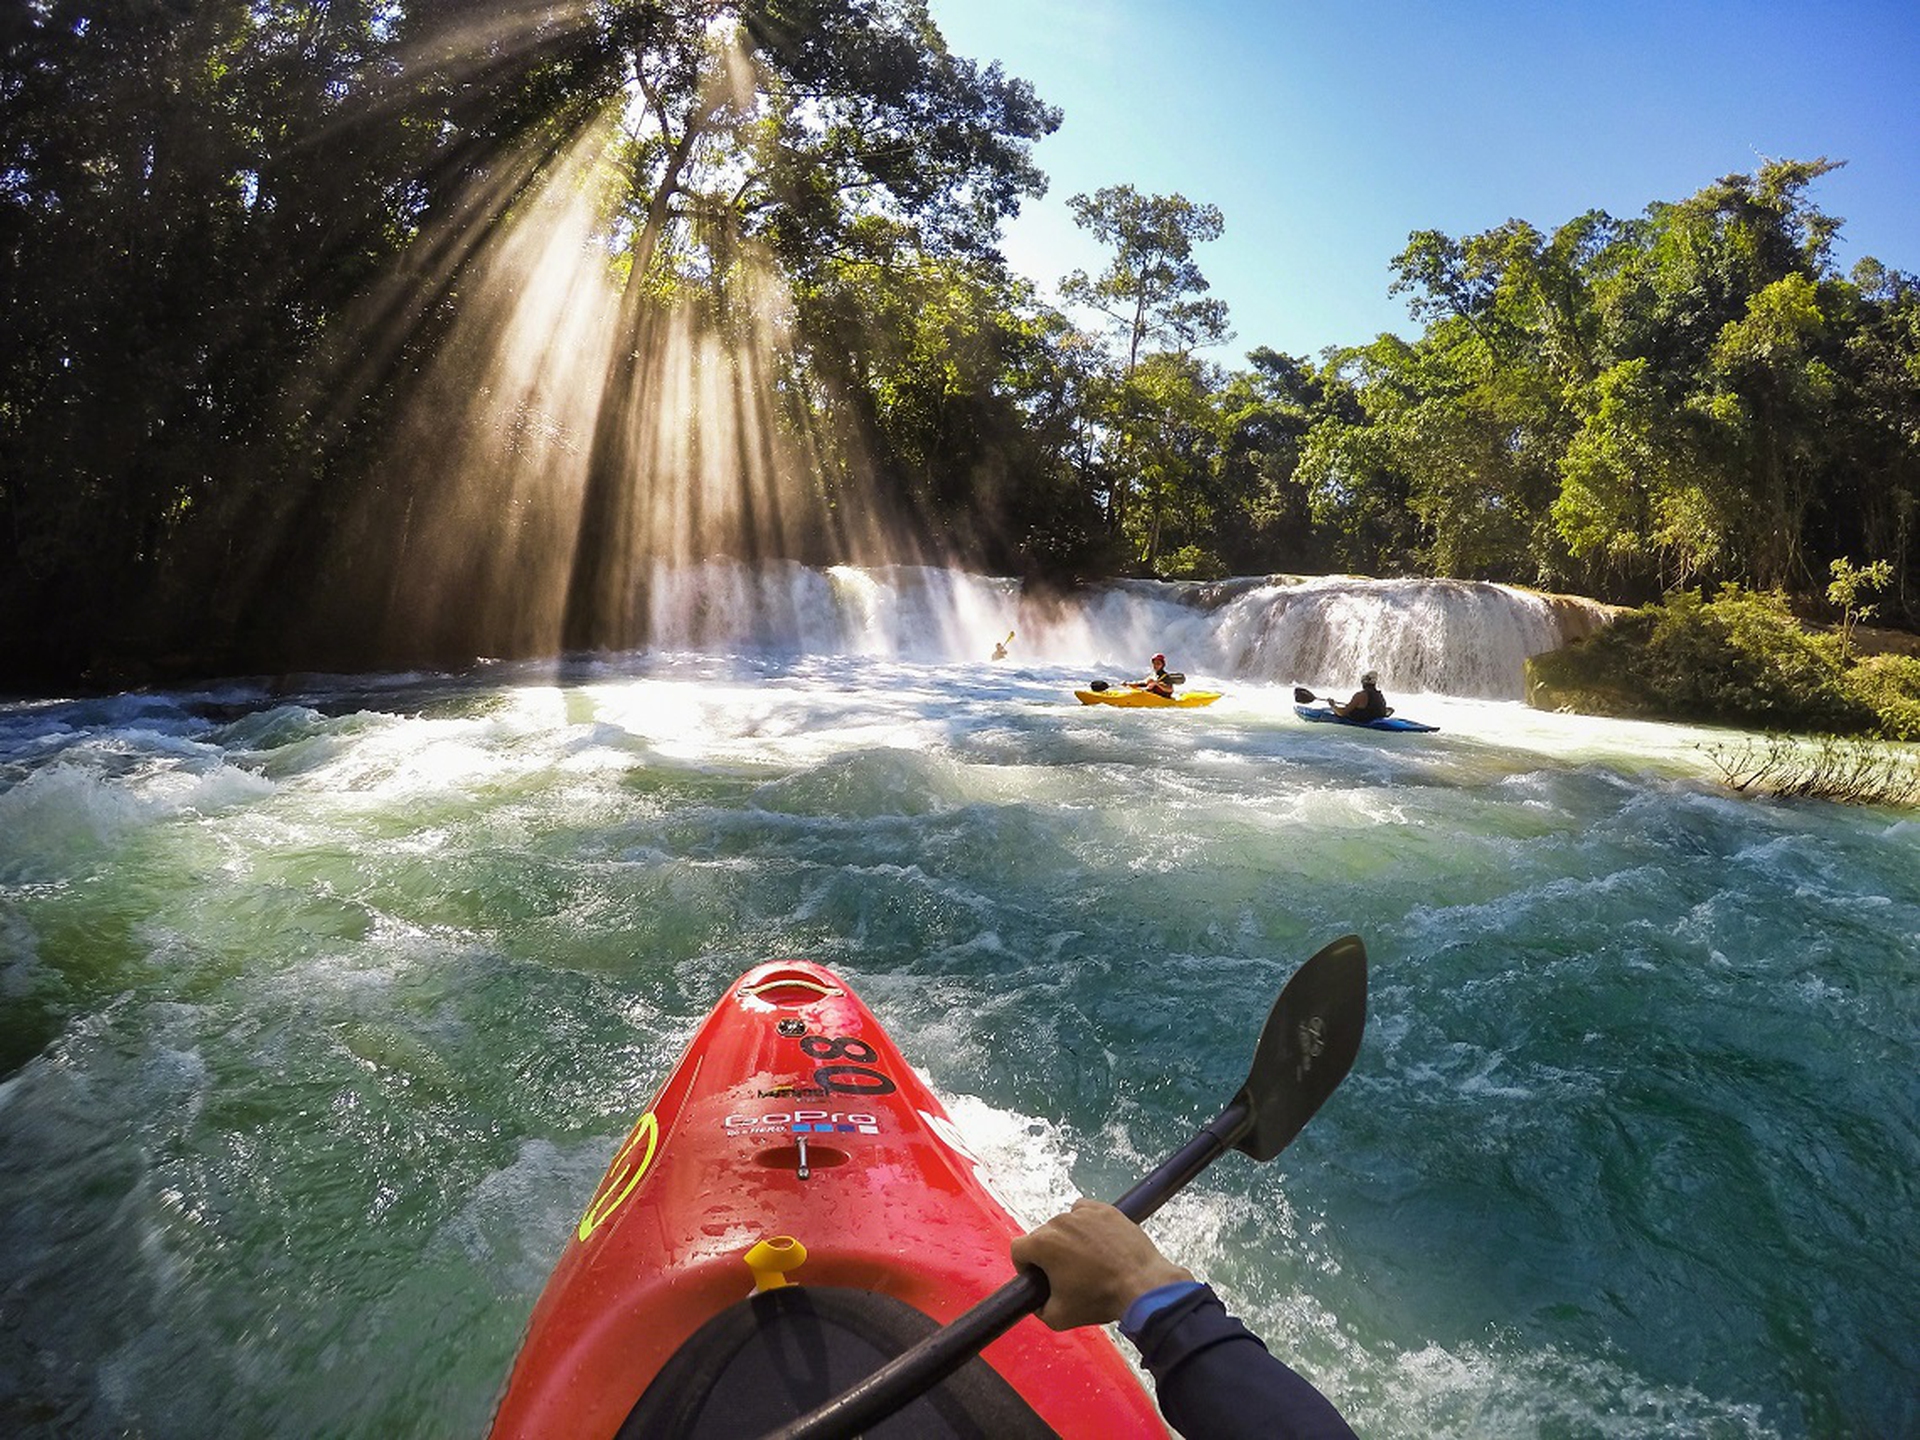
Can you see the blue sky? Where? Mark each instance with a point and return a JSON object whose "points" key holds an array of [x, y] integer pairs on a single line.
{"points": [[1327, 132]]}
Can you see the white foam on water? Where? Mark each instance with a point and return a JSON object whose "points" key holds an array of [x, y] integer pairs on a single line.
{"points": [[92, 798], [1029, 1160], [64, 805], [1500, 1391]]}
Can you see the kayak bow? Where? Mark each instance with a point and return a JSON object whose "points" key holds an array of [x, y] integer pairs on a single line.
{"points": [[794, 1153]]}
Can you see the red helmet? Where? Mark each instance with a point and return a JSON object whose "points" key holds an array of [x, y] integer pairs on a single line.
{"points": [[1159, 659]]}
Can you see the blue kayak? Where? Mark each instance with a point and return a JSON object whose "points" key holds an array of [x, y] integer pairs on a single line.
{"points": [[1319, 714]]}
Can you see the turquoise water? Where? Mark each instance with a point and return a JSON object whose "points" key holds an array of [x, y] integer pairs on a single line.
{"points": [[324, 1011]]}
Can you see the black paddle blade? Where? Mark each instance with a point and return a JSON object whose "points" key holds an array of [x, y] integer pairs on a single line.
{"points": [[1303, 696], [1096, 685], [1306, 1047]]}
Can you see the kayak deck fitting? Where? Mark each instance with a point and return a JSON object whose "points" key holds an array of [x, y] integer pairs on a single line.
{"points": [[794, 1154]]}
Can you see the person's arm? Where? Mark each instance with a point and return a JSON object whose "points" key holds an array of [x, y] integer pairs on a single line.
{"points": [[1213, 1376], [1216, 1380]]}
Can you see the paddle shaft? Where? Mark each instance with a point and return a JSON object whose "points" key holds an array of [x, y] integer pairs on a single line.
{"points": [[1178, 1170], [911, 1374]]}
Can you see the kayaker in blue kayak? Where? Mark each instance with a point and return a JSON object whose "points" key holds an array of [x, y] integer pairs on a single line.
{"points": [[1367, 702], [1160, 682], [1213, 1377]]}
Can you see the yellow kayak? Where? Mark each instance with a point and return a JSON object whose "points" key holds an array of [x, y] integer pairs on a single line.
{"points": [[1127, 695]]}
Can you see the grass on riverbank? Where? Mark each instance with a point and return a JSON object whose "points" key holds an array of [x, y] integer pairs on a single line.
{"points": [[1829, 767]]}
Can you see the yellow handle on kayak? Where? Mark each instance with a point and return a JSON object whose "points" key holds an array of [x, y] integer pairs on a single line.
{"points": [[772, 1258]]}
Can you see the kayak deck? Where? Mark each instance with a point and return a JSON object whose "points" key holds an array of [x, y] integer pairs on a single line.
{"points": [[1129, 698], [792, 1117], [1321, 715]]}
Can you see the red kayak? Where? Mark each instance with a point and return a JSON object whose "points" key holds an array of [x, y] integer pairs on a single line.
{"points": [[794, 1209]]}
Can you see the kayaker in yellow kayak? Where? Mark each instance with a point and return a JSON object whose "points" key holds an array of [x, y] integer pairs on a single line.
{"points": [[1160, 682], [1213, 1376]]}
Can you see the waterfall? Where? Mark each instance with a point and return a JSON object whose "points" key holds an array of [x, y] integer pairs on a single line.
{"points": [[1449, 637]]}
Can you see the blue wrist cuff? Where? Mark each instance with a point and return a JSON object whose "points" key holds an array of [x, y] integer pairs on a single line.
{"points": [[1145, 1307]]}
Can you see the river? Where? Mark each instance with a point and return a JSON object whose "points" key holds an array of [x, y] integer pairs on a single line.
{"points": [[327, 1001]]}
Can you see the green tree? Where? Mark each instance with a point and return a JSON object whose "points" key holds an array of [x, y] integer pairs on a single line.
{"points": [[1726, 297], [1871, 502], [969, 393], [192, 195], [1844, 593], [796, 132], [1477, 406], [1624, 406], [1151, 289], [1265, 518], [1152, 294], [1636, 497], [1167, 403], [240, 232], [1770, 393], [1358, 493]]}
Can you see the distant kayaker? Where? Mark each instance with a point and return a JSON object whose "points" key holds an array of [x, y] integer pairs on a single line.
{"points": [[1367, 702], [1159, 682], [1000, 646], [1213, 1376]]}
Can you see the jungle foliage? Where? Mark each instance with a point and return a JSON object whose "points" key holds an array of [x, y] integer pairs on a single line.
{"points": [[237, 233], [1740, 657]]}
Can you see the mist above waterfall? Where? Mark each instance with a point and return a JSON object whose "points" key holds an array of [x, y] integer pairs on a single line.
{"points": [[1447, 637]]}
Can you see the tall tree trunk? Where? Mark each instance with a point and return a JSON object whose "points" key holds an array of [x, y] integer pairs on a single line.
{"points": [[605, 608]]}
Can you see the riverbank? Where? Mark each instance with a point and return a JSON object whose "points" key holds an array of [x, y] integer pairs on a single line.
{"points": [[1739, 658]]}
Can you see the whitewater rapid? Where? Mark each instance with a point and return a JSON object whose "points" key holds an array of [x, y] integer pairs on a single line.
{"points": [[327, 1002]]}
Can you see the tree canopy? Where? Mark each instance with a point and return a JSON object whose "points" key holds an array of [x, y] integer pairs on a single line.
{"points": [[371, 333]]}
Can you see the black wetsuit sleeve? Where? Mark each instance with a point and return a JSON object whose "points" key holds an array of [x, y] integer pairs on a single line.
{"points": [[1216, 1381]]}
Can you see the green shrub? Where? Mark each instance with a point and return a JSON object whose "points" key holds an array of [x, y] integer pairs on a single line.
{"points": [[1744, 657], [1594, 675], [1889, 685], [1190, 562], [1740, 658]]}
